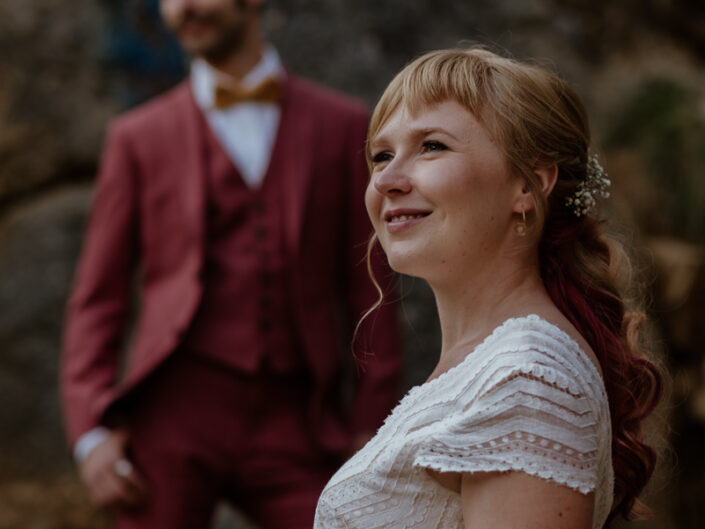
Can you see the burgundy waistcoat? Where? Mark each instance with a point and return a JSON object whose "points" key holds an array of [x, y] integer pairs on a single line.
{"points": [[244, 319]]}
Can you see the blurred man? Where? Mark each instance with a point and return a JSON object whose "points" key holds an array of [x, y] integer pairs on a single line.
{"points": [[238, 196]]}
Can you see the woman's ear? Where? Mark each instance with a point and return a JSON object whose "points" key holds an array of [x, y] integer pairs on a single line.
{"points": [[547, 176]]}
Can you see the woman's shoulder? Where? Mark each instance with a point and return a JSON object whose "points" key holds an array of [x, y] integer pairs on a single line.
{"points": [[532, 346], [522, 351], [528, 399], [536, 338]]}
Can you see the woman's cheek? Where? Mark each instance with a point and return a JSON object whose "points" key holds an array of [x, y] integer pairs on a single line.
{"points": [[372, 203]]}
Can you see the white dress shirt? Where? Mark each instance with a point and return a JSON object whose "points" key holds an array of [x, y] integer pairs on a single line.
{"points": [[246, 130]]}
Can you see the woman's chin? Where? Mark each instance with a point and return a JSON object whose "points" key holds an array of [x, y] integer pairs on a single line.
{"points": [[405, 264]]}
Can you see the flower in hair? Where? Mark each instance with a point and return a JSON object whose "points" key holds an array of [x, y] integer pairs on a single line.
{"points": [[595, 185]]}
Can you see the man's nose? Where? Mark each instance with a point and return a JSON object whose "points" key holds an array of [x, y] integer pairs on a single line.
{"points": [[179, 5]]}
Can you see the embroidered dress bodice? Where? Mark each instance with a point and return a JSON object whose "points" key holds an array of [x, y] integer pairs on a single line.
{"points": [[527, 399]]}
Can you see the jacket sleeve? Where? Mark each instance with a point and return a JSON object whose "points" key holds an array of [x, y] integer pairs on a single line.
{"points": [[99, 303], [376, 345]]}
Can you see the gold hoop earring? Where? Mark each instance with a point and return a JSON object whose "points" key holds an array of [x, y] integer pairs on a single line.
{"points": [[520, 227]]}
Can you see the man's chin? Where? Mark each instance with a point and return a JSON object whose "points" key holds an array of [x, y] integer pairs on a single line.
{"points": [[210, 49], [195, 46]]}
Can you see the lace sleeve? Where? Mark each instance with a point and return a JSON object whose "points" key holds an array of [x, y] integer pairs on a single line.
{"points": [[533, 419]]}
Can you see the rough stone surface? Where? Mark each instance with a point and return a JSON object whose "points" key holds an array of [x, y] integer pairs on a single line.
{"points": [[52, 93], [39, 241]]}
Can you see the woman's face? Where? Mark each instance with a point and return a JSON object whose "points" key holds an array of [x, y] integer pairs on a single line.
{"points": [[440, 196]]}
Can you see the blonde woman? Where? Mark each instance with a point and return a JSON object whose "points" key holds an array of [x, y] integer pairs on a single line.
{"points": [[482, 183]]}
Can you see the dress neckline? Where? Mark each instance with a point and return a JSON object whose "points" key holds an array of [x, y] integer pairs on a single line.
{"points": [[551, 329]]}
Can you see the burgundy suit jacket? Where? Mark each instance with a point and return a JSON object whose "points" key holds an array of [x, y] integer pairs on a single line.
{"points": [[148, 214]]}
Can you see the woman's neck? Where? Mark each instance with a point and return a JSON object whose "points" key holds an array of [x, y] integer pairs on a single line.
{"points": [[471, 309]]}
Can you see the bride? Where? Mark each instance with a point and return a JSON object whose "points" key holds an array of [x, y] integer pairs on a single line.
{"points": [[483, 185]]}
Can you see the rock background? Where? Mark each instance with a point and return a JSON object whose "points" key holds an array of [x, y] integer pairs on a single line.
{"points": [[67, 69]]}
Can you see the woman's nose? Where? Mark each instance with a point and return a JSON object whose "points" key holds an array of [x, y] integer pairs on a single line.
{"points": [[392, 180]]}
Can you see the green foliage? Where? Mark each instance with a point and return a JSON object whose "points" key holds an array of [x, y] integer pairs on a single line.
{"points": [[663, 123]]}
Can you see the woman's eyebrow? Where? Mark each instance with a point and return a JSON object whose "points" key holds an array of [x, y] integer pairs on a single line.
{"points": [[427, 131], [375, 143], [414, 132]]}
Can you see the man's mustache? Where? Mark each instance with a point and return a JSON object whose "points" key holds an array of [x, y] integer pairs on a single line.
{"points": [[192, 16]]}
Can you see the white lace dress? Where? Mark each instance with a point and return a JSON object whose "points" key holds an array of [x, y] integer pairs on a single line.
{"points": [[527, 399]]}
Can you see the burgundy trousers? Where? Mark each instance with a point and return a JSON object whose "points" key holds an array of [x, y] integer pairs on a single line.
{"points": [[200, 433]]}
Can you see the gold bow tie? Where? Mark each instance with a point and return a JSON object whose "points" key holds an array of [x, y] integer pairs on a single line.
{"points": [[268, 91]]}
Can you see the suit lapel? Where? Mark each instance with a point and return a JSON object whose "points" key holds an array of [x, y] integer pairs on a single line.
{"points": [[190, 172], [178, 141], [291, 157]]}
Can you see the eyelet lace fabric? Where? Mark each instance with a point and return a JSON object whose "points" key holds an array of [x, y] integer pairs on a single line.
{"points": [[527, 399]]}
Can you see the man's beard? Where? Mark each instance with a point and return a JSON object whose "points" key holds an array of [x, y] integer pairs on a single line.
{"points": [[226, 40]]}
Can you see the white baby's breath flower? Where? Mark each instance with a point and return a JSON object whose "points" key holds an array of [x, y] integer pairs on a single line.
{"points": [[596, 184]]}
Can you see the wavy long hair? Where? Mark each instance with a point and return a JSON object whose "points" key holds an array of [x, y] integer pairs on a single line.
{"points": [[537, 118]]}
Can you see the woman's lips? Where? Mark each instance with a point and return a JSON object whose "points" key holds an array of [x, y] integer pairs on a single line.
{"points": [[398, 220]]}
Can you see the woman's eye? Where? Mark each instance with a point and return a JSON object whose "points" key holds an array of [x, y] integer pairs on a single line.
{"points": [[432, 146], [380, 157]]}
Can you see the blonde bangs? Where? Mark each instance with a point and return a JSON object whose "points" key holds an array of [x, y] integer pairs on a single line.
{"points": [[432, 78]]}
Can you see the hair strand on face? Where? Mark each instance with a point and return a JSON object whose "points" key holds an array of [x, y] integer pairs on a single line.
{"points": [[370, 246]]}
